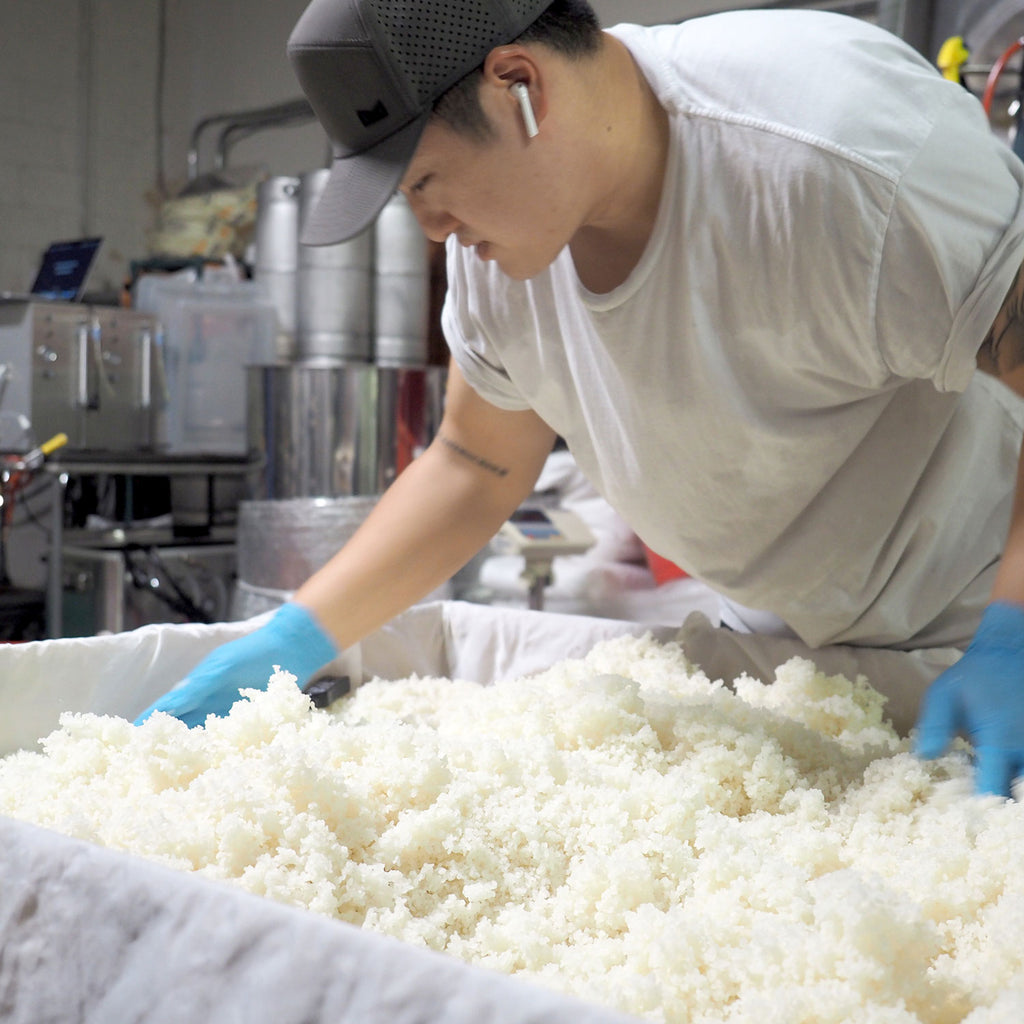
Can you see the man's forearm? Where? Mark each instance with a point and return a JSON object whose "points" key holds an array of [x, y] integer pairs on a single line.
{"points": [[433, 519]]}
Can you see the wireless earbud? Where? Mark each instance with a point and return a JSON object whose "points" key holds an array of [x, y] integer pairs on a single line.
{"points": [[522, 94]]}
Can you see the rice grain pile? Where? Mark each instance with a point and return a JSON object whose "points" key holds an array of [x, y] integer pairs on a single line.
{"points": [[618, 827]]}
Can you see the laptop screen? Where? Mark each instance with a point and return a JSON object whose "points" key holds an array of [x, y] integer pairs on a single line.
{"points": [[64, 268]]}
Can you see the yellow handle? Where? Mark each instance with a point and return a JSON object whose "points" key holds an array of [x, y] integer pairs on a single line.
{"points": [[55, 442], [952, 57]]}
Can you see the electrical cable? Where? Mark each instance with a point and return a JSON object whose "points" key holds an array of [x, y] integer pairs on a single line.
{"points": [[145, 579], [158, 97], [996, 73], [29, 517]]}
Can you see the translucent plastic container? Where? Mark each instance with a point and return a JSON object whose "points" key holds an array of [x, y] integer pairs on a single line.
{"points": [[210, 332]]}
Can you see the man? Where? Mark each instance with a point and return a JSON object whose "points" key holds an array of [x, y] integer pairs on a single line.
{"points": [[745, 266]]}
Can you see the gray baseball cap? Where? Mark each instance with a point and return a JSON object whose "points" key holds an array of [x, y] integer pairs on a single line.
{"points": [[372, 71]]}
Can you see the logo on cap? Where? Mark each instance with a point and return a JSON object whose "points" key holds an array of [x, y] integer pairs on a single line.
{"points": [[372, 116]]}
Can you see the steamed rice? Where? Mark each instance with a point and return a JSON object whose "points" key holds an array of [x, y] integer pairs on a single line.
{"points": [[618, 827]]}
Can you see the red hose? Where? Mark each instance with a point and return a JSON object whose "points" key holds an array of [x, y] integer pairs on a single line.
{"points": [[994, 75]]}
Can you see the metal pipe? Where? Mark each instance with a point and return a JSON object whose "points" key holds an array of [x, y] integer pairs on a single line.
{"points": [[287, 109], [237, 131], [892, 16], [55, 564]]}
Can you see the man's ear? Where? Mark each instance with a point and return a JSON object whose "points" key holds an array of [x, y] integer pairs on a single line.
{"points": [[514, 71]]}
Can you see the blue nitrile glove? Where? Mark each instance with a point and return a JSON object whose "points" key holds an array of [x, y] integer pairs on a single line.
{"points": [[982, 695], [292, 639]]}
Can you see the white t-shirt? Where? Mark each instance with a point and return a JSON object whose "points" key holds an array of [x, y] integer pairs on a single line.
{"points": [[781, 397]]}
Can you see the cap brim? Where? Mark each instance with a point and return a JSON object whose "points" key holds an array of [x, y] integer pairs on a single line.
{"points": [[359, 186]]}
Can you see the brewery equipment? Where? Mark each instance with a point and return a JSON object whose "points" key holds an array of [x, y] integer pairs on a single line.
{"points": [[402, 287], [334, 430], [363, 300], [334, 314], [85, 371], [277, 253], [98, 375]]}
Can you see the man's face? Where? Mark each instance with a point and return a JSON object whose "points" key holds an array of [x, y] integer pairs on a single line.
{"points": [[494, 196]]}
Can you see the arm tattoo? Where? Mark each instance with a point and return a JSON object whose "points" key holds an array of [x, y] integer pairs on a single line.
{"points": [[1003, 348], [475, 459]]}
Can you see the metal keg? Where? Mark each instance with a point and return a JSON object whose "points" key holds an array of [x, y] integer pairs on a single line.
{"points": [[281, 543], [323, 429], [334, 311], [402, 287], [277, 252]]}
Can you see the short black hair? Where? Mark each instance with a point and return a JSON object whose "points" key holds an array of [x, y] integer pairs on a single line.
{"points": [[569, 27]]}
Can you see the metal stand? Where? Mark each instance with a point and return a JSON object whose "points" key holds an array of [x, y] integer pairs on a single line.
{"points": [[538, 575], [54, 566], [203, 466], [540, 535]]}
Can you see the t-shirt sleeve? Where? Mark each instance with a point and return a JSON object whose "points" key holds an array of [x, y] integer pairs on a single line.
{"points": [[952, 247], [468, 309]]}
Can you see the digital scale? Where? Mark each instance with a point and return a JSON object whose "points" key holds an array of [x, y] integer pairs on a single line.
{"points": [[540, 535]]}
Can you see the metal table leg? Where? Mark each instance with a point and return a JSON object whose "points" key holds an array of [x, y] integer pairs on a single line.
{"points": [[55, 566]]}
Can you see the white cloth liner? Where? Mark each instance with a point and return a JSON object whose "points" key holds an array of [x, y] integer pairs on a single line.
{"points": [[94, 937], [123, 673]]}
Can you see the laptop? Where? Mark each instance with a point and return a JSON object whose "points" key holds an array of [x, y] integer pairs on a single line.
{"points": [[62, 273]]}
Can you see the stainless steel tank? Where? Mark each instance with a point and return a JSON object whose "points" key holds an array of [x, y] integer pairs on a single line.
{"points": [[282, 543], [401, 287], [334, 311], [277, 252], [328, 429]]}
